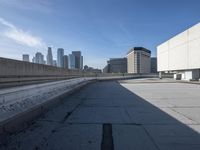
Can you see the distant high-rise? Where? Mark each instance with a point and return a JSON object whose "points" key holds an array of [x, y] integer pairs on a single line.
{"points": [[49, 57], [77, 55], [25, 57], [78, 59], [54, 63], [60, 54], [39, 58], [65, 61], [71, 61], [153, 65], [81, 63], [33, 60]]}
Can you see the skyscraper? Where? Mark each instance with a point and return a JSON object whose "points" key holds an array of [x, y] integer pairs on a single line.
{"points": [[39, 58], [25, 57], [60, 54], [33, 60], [77, 55], [78, 59], [153, 65], [49, 57], [71, 61], [65, 61], [81, 63], [54, 63]]}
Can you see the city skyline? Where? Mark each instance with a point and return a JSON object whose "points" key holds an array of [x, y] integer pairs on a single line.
{"points": [[99, 29], [70, 61]]}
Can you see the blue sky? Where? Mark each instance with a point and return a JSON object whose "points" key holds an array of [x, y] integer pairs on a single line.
{"points": [[101, 29]]}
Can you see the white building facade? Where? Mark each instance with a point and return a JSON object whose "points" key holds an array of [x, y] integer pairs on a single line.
{"points": [[181, 55]]}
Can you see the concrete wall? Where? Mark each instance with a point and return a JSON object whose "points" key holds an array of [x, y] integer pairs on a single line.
{"points": [[181, 52], [15, 73], [9, 67]]}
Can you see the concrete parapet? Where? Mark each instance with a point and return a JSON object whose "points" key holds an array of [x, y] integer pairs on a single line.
{"points": [[15, 72], [10, 67]]}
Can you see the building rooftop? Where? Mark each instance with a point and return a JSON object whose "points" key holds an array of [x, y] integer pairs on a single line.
{"points": [[139, 49], [118, 58]]}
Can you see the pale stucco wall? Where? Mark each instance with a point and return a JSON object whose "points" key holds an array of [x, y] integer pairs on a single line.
{"points": [[181, 52]]}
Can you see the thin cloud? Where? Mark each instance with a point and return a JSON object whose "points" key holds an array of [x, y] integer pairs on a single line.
{"points": [[4, 22], [20, 36], [36, 5]]}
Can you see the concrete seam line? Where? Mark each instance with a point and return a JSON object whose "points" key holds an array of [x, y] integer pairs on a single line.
{"points": [[151, 138]]}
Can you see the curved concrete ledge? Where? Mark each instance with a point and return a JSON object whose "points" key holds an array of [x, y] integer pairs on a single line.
{"points": [[19, 106]]}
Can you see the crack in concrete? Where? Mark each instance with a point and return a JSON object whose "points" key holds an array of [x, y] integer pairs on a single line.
{"points": [[150, 137], [184, 115], [70, 113], [66, 116]]}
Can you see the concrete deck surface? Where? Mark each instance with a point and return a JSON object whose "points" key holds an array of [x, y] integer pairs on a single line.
{"points": [[131, 115]]}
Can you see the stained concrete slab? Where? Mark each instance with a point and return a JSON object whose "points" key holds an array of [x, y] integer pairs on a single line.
{"points": [[59, 112], [174, 137], [153, 116], [132, 137], [75, 137], [97, 102], [31, 138], [99, 115], [190, 112]]}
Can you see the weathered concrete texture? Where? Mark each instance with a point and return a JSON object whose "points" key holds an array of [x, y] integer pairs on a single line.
{"points": [[152, 116], [15, 100], [132, 137], [18, 73], [84, 137], [10, 67], [19, 106]]}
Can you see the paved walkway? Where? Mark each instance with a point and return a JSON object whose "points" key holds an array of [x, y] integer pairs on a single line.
{"points": [[114, 116]]}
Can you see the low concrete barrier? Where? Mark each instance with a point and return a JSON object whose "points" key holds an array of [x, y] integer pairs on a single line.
{"points": [[19, 106], [15, 72], [122, 76], [10, 67]]}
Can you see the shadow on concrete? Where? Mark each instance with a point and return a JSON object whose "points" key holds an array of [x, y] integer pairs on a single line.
{"points": [[163, 129], [135, 123]]}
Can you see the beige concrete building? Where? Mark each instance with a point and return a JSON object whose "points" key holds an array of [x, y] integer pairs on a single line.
{"points": [[181, 55], [139, 60]]}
